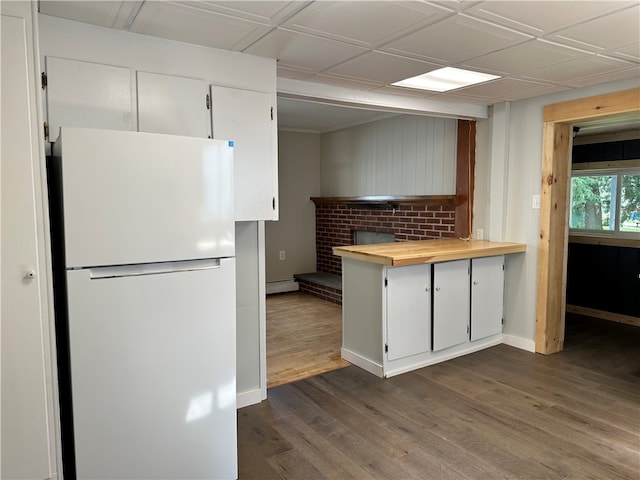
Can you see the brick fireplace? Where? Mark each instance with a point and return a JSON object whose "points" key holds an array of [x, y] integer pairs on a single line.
{"points": [[337, 222]]}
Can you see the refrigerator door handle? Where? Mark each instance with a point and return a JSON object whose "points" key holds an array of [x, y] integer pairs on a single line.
{"points": [[97, 273]]}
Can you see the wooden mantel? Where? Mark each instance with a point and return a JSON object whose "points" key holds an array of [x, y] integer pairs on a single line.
{"points": [[393, 201]]}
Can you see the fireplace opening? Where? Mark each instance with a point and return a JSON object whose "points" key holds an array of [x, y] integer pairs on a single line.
{"points": [[362, 237]]}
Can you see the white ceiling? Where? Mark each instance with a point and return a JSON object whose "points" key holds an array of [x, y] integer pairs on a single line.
{"points": [[537, 47]]}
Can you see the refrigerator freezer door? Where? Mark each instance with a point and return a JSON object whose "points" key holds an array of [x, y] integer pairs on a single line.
{"points": [[132, 197], [153, 374]]}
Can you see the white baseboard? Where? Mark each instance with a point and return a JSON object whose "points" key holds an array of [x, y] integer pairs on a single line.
{"points": [[251, 397], [519, 342], [362, 362], [282, 286]]}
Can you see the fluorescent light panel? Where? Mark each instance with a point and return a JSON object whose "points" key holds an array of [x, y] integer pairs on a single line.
{"points": [[445, 79]]}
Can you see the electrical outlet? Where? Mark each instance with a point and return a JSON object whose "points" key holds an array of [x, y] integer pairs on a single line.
{"points": [[480, 234], [283, 255]]}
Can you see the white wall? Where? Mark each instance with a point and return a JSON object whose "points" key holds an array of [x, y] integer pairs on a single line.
{"points": [[77, 41], [403, 155], [294, 233], [510, 141]]}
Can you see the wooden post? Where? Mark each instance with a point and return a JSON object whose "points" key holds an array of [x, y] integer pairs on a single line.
{"points": [[465, 173], [552, 251]]}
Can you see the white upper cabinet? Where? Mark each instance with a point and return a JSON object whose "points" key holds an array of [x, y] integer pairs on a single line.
{"points": [[28, 441], [86, 94], [172, 104], [246, 117]]}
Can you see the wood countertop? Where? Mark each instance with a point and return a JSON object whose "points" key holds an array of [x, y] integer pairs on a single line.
{"points": [[426, 251]]}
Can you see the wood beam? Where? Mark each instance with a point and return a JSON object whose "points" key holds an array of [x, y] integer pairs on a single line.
{"points": [[465, 174], [552, 252], [594, 107]]}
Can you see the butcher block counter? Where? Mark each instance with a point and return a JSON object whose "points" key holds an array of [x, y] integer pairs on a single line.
{"points": [[406, 305], [426, 251]]}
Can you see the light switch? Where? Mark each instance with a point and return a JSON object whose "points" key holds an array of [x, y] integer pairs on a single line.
{"points": [[535, 202]]}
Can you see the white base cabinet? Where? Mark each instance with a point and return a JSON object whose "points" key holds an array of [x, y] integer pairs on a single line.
{"points": [[487, 296], [450, 304], [397, 319]]}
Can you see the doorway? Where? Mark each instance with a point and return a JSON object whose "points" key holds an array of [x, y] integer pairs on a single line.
{"points": [[556, 173]]}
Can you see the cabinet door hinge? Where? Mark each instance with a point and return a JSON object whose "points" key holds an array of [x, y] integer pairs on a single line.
{"points": [[386, 348], [43, 80], [271, 113], [273, 203], [208, 102], [502, 321], [46, 131], [468, 329], [503, 267], [386, 281]]}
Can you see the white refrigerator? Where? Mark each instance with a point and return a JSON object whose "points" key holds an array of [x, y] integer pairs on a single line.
{"points": [[143, 234]]}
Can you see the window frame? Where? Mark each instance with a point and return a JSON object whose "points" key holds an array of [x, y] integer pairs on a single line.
{"points": [[614, 168]]}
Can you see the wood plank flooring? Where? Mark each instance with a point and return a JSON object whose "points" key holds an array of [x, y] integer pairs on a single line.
{"points": [[304, 337], [498, 413]]}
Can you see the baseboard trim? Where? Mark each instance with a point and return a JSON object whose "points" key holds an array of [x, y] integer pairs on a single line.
{"points": [[250, 397], [519, 342], [612, 317], [362, 362], [282, 286]]}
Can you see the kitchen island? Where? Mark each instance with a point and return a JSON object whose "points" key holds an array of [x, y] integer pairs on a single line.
{"points": [[406, 305]]}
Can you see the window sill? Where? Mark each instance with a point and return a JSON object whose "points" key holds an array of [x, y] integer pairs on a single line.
{"points": [[594, 239]]}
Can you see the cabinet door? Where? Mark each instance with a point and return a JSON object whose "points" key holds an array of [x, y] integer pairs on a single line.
{"points": [[451, 304], [408, 315], [487, 292], [27, 398], [85, 94], [245, 117], [172, 105]]}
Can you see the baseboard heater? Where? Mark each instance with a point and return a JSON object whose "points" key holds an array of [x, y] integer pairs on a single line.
{"points": [[282, 286]]}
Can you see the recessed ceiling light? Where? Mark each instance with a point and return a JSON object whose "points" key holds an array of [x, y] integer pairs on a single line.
{"points": [[445, 79]]}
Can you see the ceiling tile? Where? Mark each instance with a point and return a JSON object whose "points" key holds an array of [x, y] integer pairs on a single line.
{"points": [[505, 89], [376, 21], [269, 12], [302, 50], [186, 23], [609, 77], [342, 82], [455, 39], [570, 72], [293, 72], [103, 13], [628, 52], [542, 17], [524, 57], [382, 67], [605, 33]]}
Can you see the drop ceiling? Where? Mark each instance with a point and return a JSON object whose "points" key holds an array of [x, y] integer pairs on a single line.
{"points": [[537, 47]]}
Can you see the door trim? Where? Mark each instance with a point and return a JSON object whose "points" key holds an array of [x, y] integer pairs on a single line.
{"points": [[554, 232]]}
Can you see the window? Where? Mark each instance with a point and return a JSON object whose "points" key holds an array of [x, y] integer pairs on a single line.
{"points": [[606, 201]]}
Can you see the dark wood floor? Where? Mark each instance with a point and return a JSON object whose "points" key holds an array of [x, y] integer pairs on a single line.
{"points": [[498, 413]]}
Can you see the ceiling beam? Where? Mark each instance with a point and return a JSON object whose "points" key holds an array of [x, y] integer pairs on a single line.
{"points": [[367, 100]]}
